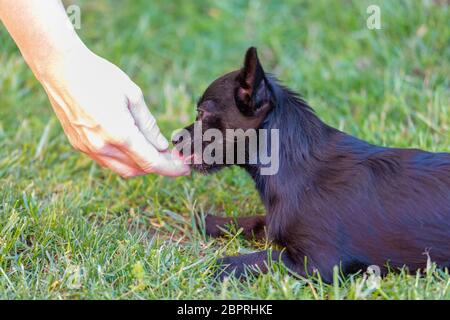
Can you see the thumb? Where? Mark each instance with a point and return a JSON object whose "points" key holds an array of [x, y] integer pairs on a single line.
{"points": [[146, 123]]}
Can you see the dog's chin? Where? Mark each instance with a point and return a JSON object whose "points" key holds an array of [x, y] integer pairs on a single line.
{"points": [[206, 168]]}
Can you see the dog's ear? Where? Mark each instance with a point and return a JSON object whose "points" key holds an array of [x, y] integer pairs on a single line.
{"points": [[252, 93]]}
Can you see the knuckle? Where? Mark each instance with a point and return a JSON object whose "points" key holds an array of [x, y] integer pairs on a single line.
{"points": [[120, 140], [136, 95], [148, 167], [96, 145], [122, 143]]}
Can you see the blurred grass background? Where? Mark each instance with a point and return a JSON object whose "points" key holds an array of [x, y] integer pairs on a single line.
{"points": [[71, 230]]}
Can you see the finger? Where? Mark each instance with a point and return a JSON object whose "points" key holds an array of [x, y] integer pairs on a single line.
{"points": [[146, 122], [124, 170], [172, 157], [94, 146], [98, 147], [108, 156], [106, 162], [151, 160], [119, 167]]}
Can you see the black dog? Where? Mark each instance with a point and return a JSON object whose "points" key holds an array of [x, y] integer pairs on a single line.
{"points": [[336, 200]]}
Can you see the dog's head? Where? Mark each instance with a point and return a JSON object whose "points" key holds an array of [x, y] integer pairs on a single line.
{"points": [[238, 100]]}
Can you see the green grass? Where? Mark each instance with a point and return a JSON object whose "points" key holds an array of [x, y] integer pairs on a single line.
{"points": [[71, 230]]}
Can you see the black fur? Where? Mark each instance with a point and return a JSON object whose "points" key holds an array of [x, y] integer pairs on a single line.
{"points": [[336, 200]]}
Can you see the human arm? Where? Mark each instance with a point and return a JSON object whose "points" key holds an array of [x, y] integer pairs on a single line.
{"points": [[102, 111]]}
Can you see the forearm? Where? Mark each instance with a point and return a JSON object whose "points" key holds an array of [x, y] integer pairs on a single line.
{"points": [[41, 30]]}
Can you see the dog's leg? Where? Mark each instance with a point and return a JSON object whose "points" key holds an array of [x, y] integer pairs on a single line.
{"points": [[257, 262], [252, 227]]}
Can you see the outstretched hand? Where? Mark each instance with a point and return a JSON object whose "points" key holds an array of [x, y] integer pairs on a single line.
{"points": [[102, 111], [104, 115]]}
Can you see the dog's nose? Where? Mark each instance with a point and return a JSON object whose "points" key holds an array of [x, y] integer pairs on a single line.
{"points": [[176, 140]]}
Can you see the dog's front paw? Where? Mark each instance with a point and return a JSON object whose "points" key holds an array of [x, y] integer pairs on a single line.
{"points": [[212, 224], [228, 267]]}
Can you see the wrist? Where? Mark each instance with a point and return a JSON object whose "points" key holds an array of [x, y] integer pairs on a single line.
{"points": [[41, 30], [56, 60]]}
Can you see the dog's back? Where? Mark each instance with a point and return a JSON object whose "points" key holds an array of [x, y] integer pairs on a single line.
{"points": [[371, 205]]}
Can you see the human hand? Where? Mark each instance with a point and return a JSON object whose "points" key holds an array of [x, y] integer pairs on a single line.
{"points": [[104, 115]]}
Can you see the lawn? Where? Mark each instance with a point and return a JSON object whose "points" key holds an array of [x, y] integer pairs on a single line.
{"points": [[69, 229]]}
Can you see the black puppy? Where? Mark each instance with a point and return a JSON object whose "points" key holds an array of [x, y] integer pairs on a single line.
{"points": [[336, 200]]}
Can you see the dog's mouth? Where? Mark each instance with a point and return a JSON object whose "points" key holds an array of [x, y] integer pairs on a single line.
{"points": [[196, 163], [195, 160], [190, 159]]}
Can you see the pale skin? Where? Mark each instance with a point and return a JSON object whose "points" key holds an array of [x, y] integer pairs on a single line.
{"points": [[102, 112]]}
